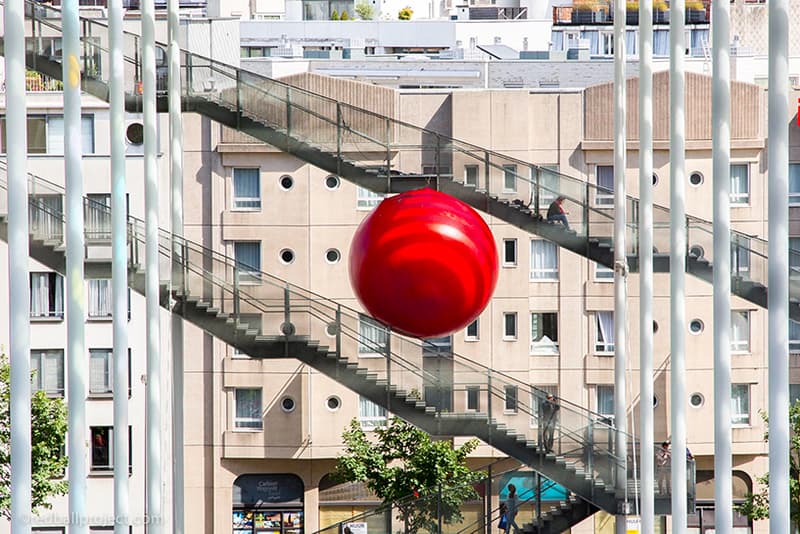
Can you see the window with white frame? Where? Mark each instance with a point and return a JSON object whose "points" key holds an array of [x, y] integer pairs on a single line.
{"points": [[740, 331], [550, 184], [45, 134], [370, 415], [510, 325], [539, 393], [604, 331], [794, 184], [47, 295], [98, 216], [509, 178], [372, 336], [246, 189], [605, 400], [473, 331], [102, 440], [544, 333], [606, 43], [100, 305], [366, 199], [544, 260], [473, 398], [248, 409], [604, 174], [740, 404], [101, 371], [471, 175], [248, 261], [603, 273], [740, 255], [740, 184], [511, 396], [47, 368], [794, 257], [45, 216], [794, 336], [509, 252]]}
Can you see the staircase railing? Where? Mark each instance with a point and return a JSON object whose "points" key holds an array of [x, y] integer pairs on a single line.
{"points": [[259, 307], [388, 150]]}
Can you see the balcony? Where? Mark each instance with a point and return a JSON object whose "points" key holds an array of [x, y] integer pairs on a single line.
{"points": [[600, 12]]}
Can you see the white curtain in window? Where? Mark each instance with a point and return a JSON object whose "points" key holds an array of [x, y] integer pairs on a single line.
{"points": [[509, 177], [544, 260], [594, 41], [55, 134], [605, 329], [605, 400], [661, 42], [630, 43], [45, 216], [699, 41], [557, 38], [248, 255], [740, 184], [367, 198], [740, 255], [550, 184], [740, 331], [605, 184], [369, 410], [49, 368], [40, 294], [99, 371], [100, 298], [373, 335], [794, 183], [246, 188], [98, 216], [740, 404]]}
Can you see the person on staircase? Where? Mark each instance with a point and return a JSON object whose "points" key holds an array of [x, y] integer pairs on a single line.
{"points": [[556, 212], [512, 507]]}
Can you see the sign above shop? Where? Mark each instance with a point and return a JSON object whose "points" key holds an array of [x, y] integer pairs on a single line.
{"points": [[250, 490]]}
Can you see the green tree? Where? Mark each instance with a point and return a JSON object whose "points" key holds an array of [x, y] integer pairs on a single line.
{"points": [[48, 430], [757, 504], [365, 11], [335, 15], [405, 13], [345, 16], [403, 461]]}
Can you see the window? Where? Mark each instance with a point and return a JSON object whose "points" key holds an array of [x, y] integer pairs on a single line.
{"points": [[102, 440], [101, 371], [370, 415], [511, 399], [604, 339], [98, 216], [740, 331], [372, 336], [99, 294], [605, 401], [794, 257], [794, 184], [510, 325], [538, 395], [544, 260], [473, 331], [550, 184], [740, 404], [46, 216], [509, 252], [544, 333], [46, 134], [471, 175], [603, 273], [740, 184], [248, 261], [248, 409], [740, 255], [605, 185], [47, 295], [794, 336], [473, 398], [47, 367], [510, 178], [794, 393], [246, 189], [366, 199], [606, 44]]}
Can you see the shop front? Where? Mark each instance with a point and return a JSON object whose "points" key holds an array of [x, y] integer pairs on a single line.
{"points": [[268, 504]]}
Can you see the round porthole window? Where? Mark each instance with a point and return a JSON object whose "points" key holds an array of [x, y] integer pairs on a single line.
{"points": [[696, 179], [287, 255], [332, 328], [287, 404], [333, 403], [135, 133], [655, 401], [696, 400], [696, 326], [655, 327], [655, 178], [332, 255], [332, 182], [287, 182], [696, 251]]}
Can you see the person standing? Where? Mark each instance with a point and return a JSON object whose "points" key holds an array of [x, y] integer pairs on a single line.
{"points": [[548, 413], [663, 466], [512, 506]]}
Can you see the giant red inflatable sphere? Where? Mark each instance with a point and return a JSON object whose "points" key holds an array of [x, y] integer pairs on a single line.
{"points": [[424, 263]]}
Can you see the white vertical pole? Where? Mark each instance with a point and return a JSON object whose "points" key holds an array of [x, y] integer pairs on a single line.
{"points": [[176, 180], [76, 301], [677, 262], [721, 154], [778, 158], [620, 261], [119, 267], [646, 442], [18, 281], [153, 409]]}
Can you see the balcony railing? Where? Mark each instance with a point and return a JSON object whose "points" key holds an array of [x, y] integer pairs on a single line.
{"points": [[602, 13]]}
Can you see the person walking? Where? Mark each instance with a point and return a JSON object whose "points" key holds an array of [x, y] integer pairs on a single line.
{"points": [[512, 507]]}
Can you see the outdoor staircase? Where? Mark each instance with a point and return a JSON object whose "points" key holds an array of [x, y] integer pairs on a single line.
{"points": [[204, 287], [389, 156]]}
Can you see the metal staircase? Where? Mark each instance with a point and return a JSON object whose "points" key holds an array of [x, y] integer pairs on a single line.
{"points": [[266, 317], [388, 156]]}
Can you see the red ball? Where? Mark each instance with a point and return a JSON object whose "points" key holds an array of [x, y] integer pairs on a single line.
{"points": [[424, 263]]}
